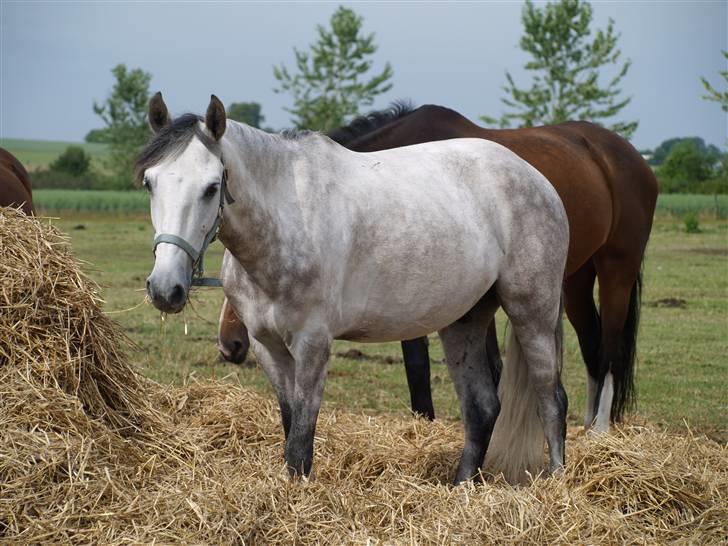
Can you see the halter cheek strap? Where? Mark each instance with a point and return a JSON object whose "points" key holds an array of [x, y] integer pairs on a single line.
{"points": [[197, 256]]}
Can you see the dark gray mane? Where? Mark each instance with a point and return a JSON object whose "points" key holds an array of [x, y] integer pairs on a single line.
{"points": [[170, 142], [296, 134], [370, 122]]}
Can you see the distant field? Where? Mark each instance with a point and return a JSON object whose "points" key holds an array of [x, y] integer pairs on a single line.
{"points": [[38, 154], [674, 205], [678, 205], [54, 201]]}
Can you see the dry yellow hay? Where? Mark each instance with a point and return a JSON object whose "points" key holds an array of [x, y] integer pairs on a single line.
{"points": [[92, 453]]}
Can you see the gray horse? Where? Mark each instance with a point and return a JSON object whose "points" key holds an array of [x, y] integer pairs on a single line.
{"points": [[333, 244]]}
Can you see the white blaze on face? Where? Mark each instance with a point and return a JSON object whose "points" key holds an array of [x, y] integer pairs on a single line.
{"points": [[184, 202]]}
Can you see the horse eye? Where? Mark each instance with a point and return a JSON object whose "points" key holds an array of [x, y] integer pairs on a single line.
{"points": [[210, 191]]}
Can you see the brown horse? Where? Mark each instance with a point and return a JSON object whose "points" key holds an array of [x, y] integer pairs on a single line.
{"points": [[15, 190], [609, 193]]}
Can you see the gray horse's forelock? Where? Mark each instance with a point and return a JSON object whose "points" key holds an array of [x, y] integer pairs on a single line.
{"points": [[171, 141]]}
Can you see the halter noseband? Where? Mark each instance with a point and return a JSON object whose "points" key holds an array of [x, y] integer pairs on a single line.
{"points": [[198, 268]]}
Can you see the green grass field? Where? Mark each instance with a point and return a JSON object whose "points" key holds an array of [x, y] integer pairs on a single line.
{"points": [[38, 154], [50, 201], [682, 369], [679, 205], [708, 207]]}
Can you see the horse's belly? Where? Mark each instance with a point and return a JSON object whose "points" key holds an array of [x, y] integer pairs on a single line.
{"points": [[422, 304]]}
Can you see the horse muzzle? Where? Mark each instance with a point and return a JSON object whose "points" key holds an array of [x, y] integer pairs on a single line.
{"points": [[168, 286], [169, 297], [233, 350]]}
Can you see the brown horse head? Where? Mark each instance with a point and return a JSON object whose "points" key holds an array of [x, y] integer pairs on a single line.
{"points": [[15, 190], [232, 338]]}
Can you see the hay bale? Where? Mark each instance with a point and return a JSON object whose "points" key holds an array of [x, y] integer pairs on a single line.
{"points": [[86, 457], [53, 335]]}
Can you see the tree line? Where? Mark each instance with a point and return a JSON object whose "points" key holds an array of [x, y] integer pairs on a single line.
{"points": [[332, 82]]}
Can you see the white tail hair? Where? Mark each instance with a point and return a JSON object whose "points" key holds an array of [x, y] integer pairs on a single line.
{"points": [[517, 443]]}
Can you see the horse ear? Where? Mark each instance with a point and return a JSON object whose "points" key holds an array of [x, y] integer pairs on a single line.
{"points": [[215, 118], [158, 113]]}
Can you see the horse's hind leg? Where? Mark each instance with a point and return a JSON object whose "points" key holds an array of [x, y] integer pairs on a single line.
{"points": [[539, 350], [583, 315], [464, 344], [532, 372], [619, 281]]}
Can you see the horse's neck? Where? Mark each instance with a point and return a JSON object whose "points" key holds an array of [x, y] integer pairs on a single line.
{"points": [[263, 227], [376, 139], [426, 124]]}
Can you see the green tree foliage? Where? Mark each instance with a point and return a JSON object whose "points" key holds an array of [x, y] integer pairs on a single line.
{"points": [[74, 161], [692, 168], [661, 153], [70, 170], [566, 66], [246, 112], [98, 136], [686, 162], [721, 97], [327, 86], [124, 113]]}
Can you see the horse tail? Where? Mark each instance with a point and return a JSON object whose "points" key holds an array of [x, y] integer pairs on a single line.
{"points": [[624, 366], [517, 444]]}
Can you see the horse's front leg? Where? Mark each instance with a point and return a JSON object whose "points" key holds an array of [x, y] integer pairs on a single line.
{"points": [[311, 355], [278, 364]]}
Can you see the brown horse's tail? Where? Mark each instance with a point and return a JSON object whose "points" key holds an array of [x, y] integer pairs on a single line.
{"points": [[624, 366]]}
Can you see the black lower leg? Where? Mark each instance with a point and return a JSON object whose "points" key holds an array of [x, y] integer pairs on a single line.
{"points": [[285, 416], [563, 401], [299, 443], [479, 419], [417, 367], [495, 364]]}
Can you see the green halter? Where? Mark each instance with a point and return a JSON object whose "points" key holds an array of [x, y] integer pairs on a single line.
{"points": [[198, 268]]}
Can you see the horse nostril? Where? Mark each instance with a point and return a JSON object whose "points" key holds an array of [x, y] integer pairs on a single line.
{"points": [[237, 345], [177, 296]]}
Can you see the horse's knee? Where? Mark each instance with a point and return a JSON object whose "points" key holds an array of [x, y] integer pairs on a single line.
{"points": [[544, 378]]}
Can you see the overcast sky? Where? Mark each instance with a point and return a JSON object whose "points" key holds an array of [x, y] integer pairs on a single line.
{"points": [[56, 57]]}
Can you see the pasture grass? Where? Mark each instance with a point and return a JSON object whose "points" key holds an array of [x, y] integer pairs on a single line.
{"points": [[672, 206], [50, 201], [39, 154], [680, 205], [682, 363]]}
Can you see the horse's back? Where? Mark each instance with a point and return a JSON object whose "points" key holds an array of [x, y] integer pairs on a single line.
{"points": [[15, 189], [607, 188]]}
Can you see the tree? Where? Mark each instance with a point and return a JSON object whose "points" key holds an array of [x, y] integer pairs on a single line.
{"points": [[124, 113], [721, 97], [246, 112], [712, 153], [326, 88], [74, 161], [566, 67], [98, 136], [687, 163]]}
